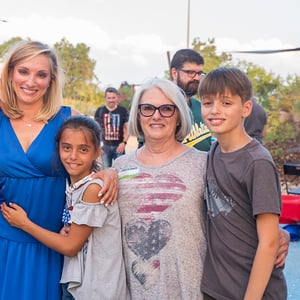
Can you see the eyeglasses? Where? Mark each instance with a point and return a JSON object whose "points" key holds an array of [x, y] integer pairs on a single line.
{"points": [[192, 73], [165, 110]]}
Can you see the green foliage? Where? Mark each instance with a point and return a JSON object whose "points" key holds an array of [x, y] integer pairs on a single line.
{"points": [[280, 97], [126, 92], [82, 106], [5, 46], [265, 84], [208, 51], [78, 69]]}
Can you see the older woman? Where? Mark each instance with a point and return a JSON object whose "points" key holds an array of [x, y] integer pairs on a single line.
{"points": [[161, 188]]}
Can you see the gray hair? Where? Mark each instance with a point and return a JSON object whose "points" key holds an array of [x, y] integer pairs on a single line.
{"points": [[174, 94]]}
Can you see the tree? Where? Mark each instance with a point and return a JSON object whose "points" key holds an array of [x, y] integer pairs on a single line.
{"points": [[78, 69], [126, 92], [265, 84], [7, 44], [280, 97], [208, 51]]}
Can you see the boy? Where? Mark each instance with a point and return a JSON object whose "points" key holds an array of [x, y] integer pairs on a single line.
{"points": [[243, 197]]}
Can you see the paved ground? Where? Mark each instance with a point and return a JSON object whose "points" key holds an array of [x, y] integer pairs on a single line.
{"points": [[292, 271]]}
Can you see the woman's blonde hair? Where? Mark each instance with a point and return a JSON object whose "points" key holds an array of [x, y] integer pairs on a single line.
{"points": [[52, 99]]}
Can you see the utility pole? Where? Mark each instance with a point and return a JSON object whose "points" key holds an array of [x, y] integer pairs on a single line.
{"points": [[188, 26]]}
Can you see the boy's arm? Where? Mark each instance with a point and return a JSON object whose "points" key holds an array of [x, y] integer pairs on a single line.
{"points": [[67, 245], [263, 264]]}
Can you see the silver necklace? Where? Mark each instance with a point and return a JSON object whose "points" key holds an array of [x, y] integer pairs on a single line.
{"points": [[70, 188], [29, 124]]}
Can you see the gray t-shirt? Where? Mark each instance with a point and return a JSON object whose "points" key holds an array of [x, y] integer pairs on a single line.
{"points": [[97, 271], [161, 210], [240, 185]]}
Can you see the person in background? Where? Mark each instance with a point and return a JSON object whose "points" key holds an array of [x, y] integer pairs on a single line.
{"points": [[243, 197], [255, 123], [94, 230], [186, 70], [113, 119], [161, 190], [30, 173]]}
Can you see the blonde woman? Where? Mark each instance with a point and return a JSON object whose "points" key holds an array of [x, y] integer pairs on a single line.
{"points": [[31, 174]]}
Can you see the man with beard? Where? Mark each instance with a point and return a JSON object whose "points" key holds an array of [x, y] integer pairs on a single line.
{"points": [[186, 70]]}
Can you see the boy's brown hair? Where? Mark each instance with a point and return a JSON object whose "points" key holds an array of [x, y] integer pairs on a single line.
{"points": [[221, 79]]}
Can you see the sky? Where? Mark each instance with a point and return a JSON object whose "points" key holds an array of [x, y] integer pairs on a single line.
{"points": [[129, 40]]}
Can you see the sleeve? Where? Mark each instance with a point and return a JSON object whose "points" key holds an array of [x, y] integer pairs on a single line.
{"points": [[97, 115], [264, 187], [126, 115], [91, 214]]}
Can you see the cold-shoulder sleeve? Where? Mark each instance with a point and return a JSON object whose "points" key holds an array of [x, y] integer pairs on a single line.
{"points": [[91, 214], [85, 213]]}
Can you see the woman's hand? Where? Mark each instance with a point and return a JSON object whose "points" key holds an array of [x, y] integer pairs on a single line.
{"points": [[14, 214], [65, 230], [283, 249], [109, 192]]}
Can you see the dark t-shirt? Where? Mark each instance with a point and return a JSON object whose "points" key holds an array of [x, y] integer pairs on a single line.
{"points": [[240, 185], [112, 124]]}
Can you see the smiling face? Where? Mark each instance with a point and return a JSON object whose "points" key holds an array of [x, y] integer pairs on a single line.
{"points": [[31, 79], [156, 127], [111, 100], [224, 113], [77, 153]]}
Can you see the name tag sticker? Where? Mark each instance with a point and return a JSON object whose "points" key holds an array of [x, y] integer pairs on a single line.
{"points": [[128, 173]]}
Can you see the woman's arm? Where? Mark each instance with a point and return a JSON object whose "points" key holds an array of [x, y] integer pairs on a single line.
{"points": [[109, 192], [283, 248], [263, 264], [67, 245]]}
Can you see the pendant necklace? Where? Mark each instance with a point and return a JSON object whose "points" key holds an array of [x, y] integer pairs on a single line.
{"points": [[27, 124]]}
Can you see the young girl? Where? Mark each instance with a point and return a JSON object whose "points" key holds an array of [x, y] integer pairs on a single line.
{"points": [[93, 264]]}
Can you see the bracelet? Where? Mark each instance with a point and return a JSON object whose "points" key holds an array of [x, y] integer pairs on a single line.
{"points": [[124, 142]]}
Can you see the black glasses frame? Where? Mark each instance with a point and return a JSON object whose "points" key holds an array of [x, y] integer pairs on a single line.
{"points": [[192, 73], [159, 108]]}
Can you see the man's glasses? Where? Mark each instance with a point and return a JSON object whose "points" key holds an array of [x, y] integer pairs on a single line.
{"points": [[192, 74], [165, 110]]}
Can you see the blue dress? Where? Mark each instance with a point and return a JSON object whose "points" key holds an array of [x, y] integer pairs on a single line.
{"points": [[36, 181]]}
